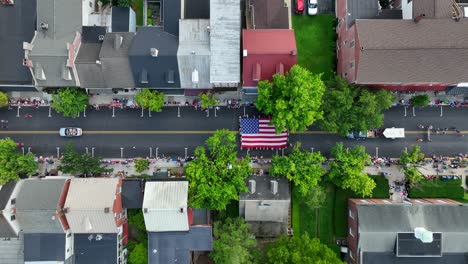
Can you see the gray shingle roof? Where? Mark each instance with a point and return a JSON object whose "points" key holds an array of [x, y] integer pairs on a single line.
{"points": [[16, 26], [194, 52], [225, 34], [11, 251], [44, 247], [89, 71], [401, 51], [132, 193], [149, 71], [175, 247], [171, 16], [194, 9], [379, 225], [120, 19]]}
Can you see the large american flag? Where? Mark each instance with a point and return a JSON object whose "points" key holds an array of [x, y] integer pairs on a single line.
{"points": [[259, 133]]}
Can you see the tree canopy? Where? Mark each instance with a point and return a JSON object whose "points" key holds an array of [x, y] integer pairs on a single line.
{"points": [[150, 99], [216, 176], [207, 100], [347, 169], [420, 100], [3, 99], [233, 243], [292, 100], [141, 165], [13, 164], [125, 3], [139, 254], [84, 164], [410, 159], [349, 107], [70, 101], [303, 168], [300, 249]]}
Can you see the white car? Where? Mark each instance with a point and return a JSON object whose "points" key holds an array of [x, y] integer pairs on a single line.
{"points": [[312, 7], [70, 132]]}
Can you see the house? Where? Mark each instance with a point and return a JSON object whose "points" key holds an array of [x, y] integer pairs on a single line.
{"points": [[265, 53], [417, 52], [266, 205], [193, 55], [172, 232], [268, 14], [225, 43], [96, 220], [11, 242], [95, 14], [425, 231], [153, 60], [44, 228], [88, 63], [123, 19], [18, 24], [50, 56]]}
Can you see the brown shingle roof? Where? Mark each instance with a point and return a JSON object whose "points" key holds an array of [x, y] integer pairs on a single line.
{"points": [[269, 14], [402, 51], [432, 8]]}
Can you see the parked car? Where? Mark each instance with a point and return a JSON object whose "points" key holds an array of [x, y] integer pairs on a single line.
{"points": [[70, 132], [299, 6], [312, 7]]}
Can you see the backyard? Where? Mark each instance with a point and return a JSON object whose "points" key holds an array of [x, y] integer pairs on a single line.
{"points": [[315, 40], [438, 188], [138, 8]]}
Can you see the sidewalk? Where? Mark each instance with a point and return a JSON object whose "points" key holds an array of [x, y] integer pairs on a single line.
{"points": [[437, 98]]}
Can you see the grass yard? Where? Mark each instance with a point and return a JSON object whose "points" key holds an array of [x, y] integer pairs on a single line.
{"points": [[138, 7], [438, 189], [326, 230], [303, 218], [315, 40]]}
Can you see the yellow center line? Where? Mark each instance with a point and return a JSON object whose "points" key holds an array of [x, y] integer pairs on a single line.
{"points": [[181, 132]]}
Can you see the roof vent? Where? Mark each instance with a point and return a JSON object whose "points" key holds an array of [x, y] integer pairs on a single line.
{"points": [[424, 235], [106, 210], [294, 52], [274, 187], [195, 76], [90, 237], [154, 52], [101, 37], [44, 26], [208, 28], [244, 53], [98, 62], [145, 210], [418, 18], [182, 210], [98, 237], [65, 210], [252, 185], [193, 52], [118, 41]]}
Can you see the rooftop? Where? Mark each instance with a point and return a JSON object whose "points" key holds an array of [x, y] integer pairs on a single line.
{"points": [[195, 9], [175, 247], [432, 8], [93, 212], [165, 206], [171, 15], [268, 14], [263, 189], [44, 247], [89, 249], [132, 193], [365, 9], [269, 41], [17, 24]]}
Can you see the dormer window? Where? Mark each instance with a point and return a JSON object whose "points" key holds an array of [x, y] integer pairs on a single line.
{"points": [[170, 77], [144, 76]]}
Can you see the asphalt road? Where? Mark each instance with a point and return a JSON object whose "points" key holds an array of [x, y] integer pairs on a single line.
{"points": [[172, 134]]}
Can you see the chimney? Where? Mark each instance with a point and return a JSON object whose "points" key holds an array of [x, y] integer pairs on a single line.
{"points": [[274, 187], [154, 52], [118, 41], [423, 234], [252, 185], [106, 210], [418, 18]]}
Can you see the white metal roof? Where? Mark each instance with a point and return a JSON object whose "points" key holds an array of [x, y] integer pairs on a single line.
{"points": [[165, 206], [86, 202], [394, 133]]}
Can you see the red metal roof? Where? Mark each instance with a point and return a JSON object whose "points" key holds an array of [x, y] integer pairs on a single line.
{"points": [[269, 41], [268, 52]]}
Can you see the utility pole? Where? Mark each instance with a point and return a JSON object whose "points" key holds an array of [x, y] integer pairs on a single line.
{"points": [[121, 153], [58, 153], [178, 111]]}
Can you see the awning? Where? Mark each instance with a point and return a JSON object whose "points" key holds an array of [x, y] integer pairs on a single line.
{"points": [[394, 133], [457, 90]]}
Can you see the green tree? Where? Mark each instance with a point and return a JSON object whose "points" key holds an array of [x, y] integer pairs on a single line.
{"points": [[293, 100], [3, 99], [139, 254], [420, 100], [303, 168], [125, 3], [141, 165], [315, 197], [233, 243], [13, 164], [70, 101], [410, 159], [414, 156], [350, 107], [216, 176], [347, 170], [76, 164], [150, 99], [207, 100], [300, 249]]}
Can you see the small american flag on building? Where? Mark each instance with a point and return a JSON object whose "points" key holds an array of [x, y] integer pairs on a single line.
{"points": [[259, 133]]}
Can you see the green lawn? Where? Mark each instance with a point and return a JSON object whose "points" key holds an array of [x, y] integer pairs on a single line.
{"points": [[138, 7], [303, 219], [438, 189], [326, 228], [315, 40]]}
